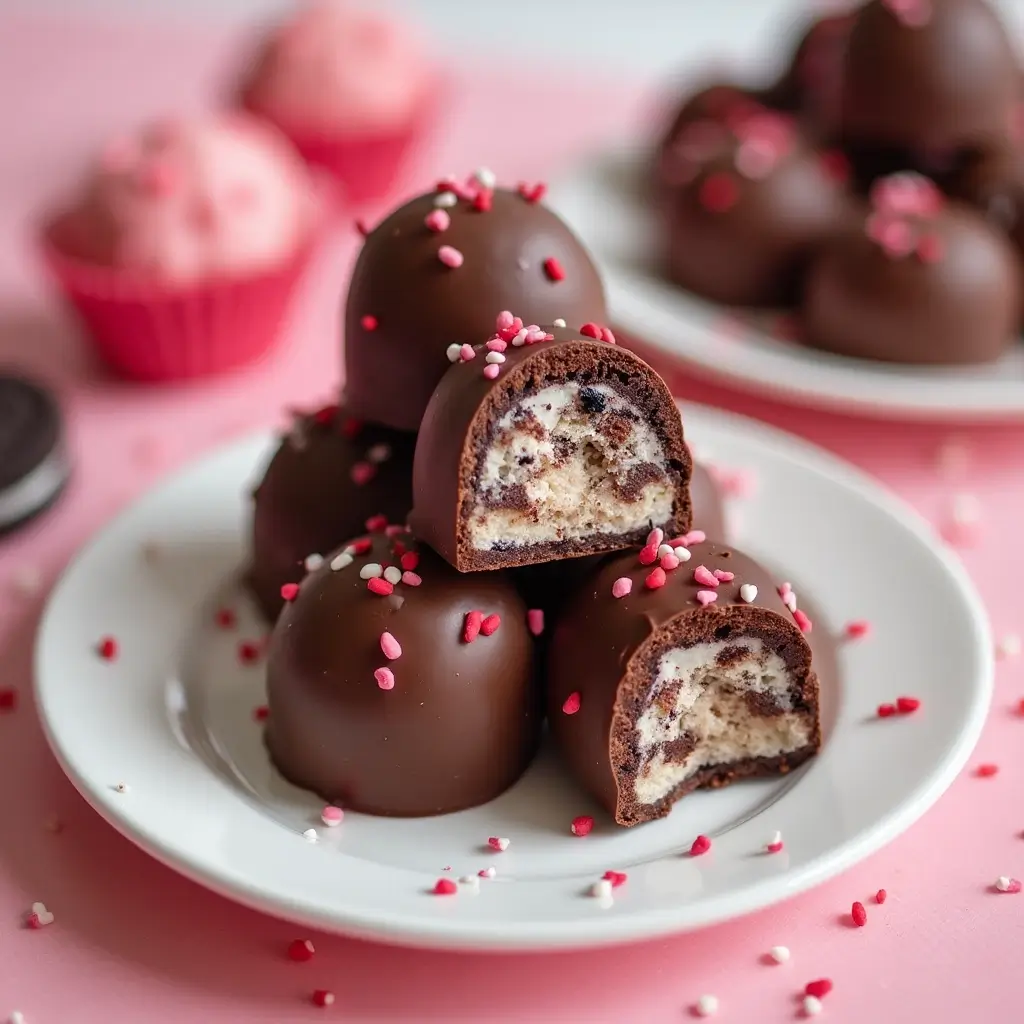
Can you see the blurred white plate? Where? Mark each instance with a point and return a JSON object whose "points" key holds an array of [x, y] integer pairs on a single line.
{"points": [[172, 718], [604, 201]]}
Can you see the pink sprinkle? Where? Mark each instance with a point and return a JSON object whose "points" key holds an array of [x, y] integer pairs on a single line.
{"points": [[411, 579], [655, 579], [377, 523], [497, 345], [290, 591], [592, 330], [693, 537], [490, 625], [487, 872], [535, 621], [498, 843], [606, 335], [572, 704], [859, 914], [438, 220], [505, 320], [466, 353], [704, 576], [471, 626], [390, 646], [582, 825], [669, 562], [724, 577], [706, 597], [491, 371], [369, 322], [700, 845], [450, 257], [380, 586], [332, 816], [655, 537], [617, 878], [858, 629], [554, 269], [385, 678], [363, 473], [622, 586], [648, 554], [802, 620], [445, 887]]}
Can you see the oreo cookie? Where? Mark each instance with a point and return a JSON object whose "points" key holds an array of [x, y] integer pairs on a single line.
{"points": [[33, 463]]}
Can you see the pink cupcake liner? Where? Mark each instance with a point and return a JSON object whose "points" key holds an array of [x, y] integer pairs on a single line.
{"points": [[148, 332]]}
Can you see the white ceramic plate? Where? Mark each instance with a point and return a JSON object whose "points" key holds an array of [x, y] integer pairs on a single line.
{"points": [[172, 719], [604, 201]]}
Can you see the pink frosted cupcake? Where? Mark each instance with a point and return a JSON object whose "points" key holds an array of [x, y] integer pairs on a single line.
{"points": [[185, 244], [351, 88]]}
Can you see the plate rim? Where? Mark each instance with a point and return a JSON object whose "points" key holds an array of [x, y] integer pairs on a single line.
{"points": [[444, 933]]}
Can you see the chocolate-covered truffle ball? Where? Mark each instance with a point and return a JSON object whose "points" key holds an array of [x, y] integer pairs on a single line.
{"points": [[436, 272], [927, 85], [397, 686], [660, 682], [926, 280], [330, 475], [547, 444], [757, 204]]}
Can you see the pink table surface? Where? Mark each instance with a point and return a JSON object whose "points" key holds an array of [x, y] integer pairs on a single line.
{"points": [[132, 941]]}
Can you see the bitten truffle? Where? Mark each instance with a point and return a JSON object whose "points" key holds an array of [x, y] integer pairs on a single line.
{"points": [[436, 271], [330, 475], [927, 85], [925, 281], [547, 444], [756, 205], [699, 681], [397, 686]]}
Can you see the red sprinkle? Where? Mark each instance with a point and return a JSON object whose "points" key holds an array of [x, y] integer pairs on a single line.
{"points": [[471, 626], [801, 619], [590, 330], [380, 586], [8, 699], [859, 914], [607, 335], [350, 427], [225, 618], [649, 554], [410, 560], [535, 621], [655, 579], [719, 193], [377, 523], [483, 199], [986, 771], [361, 546], [700, 845], [324, 416], [554, 269], [321, 997], [363, 472], [369, 322], [533, 193], [301, 951], [858, 629], [819, 989], [390, 646], [617, 878], [107, 648], [248, 652], [490, 625], [261, 713], [572, 703], [445, 887], [886, 710], [881, 896], [582, 825], [290, 591], [905, 705]]}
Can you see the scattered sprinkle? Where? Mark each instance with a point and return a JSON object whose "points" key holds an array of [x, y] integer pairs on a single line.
{"points": [[648, 554], [886, 710], [321, 997], [445, 887], [705, 577], [601, 889], [249, 652], [466, 353], [803, 621], [706, 1006], [592, 330], [438, 220], [290, 591], [748, 593], [471, 882], [907, 705], [368, 322], [301, 951], [774, 845], [107, 648], [393, 575], [819, 989], [471, 626], [535, 621], [8, 699], [780, 954], [454, 352], [669, 562], [986, 771], [490, 625], [859, 914], [445, 200], [616, 878], [1006, 884], [572, 703], [411, 579], [385, 678], [381, 587], [581, 825], [881, 896], [332, 816], [491, 371], [498, 843], [450, 256], [554, 269], [225, 618], [558, 322], [706, 597], [812, 1006], [371, 571], [857, 630], [122, 788], [655, 579], [390, 646], [719, 193], [700, 846], [487, 872], [362, 473], [342, 561], [261, 712], [622, 586], [533, 193], [494, 358], [377, 523], [313, 562], [38, 916]]}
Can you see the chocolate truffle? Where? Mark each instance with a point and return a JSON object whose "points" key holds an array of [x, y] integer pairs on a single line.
{"points": [[547, 445], [757, 204], [436, 272], [995, 186], [397, 686], [330, 475], [925, 281], [662, 682], [927, 85], [33, 463]]}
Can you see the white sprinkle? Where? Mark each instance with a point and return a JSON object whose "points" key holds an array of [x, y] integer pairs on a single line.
{"points": [[780, 954], [393, 575], [790, 600], [121, 787], [471, 882], [666, 549], [1009, 646], [494, 357], [487, 873], [601, 889], [445, 200], [523, 264], [485, 177], [706, 1006], [341, 561], [1004, 883], [966, 509], [748, 592], [520, 339], [16, 1017], [313, 562], [558, 322], [454, 352], [682, 552], [499, 843], [379, 453], [371, 571], [812, 1006], [310, 835]]}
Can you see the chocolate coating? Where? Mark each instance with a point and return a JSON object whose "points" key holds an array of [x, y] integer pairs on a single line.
{"points": [[758, 205], [995, 187], [422, 306], [459, 726], [330, 474], [960, 304], [926, 93], [461, 423], [602, 650]]}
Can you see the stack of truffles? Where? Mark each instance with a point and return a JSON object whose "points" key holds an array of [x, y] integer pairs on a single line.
{"points": [[496, 526]]}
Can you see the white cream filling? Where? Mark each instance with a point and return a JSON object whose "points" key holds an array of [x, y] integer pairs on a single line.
{"points": [[577, 496], [711, 705]]}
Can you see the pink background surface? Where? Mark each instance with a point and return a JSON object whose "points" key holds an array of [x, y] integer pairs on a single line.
{"points": [[133, 941]]}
